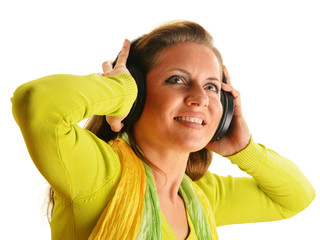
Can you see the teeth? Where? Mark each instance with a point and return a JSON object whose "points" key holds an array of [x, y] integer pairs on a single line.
{"points": [[190, 119]]}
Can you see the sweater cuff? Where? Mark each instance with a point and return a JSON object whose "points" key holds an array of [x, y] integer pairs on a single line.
{"points": [[130, 91], [131, 86], [250, 157]]}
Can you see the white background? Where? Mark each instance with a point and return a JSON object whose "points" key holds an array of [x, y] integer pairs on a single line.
{"points": [[271, 49]]}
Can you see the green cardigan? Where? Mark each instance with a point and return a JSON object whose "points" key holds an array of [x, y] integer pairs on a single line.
{"points": [[84, 171]]}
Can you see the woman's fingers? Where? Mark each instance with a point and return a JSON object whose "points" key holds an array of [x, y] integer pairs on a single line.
{"points": [[107, 66], [235, 93], [123, 55], [115, 122], [231, 89], [120, 66]]}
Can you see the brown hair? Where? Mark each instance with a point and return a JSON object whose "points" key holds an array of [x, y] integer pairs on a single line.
{"points": [[149, 46]]}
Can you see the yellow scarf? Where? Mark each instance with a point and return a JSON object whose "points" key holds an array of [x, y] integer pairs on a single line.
{"points": [[134, 210]]}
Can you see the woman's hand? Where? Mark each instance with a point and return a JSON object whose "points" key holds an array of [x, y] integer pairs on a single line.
{"points": [[120, 67], [238, 135]]}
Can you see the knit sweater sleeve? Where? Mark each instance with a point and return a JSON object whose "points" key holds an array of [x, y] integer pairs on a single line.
{"points": [[73, 160], [276, 190]]}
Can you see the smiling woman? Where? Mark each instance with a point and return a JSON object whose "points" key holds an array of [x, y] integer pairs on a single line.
{"points": [[178, 89], [146, 177]]}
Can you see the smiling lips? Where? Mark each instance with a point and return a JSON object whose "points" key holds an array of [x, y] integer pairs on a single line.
{"points": [[190, 119]]}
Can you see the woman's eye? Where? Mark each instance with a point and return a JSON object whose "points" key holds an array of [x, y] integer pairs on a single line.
{"points": [[175, 79], [212, 87]]}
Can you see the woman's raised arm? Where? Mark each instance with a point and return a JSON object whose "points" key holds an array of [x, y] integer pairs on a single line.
{"points": [[47, 110]]}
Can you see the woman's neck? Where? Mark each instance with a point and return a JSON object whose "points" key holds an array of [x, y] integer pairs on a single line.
{"points": [[171, 166]]}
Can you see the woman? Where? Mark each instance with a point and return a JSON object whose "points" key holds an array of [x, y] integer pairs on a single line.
{"points": [[102, 189]]}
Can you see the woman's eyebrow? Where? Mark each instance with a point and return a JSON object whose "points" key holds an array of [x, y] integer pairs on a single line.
{"points": [[187, 73], [179, 69]]}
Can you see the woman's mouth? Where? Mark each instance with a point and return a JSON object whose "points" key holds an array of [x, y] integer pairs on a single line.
{"points": [[190, 119]]}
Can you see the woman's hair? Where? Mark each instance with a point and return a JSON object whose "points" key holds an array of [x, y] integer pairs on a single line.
{"points": [[149, 47]]}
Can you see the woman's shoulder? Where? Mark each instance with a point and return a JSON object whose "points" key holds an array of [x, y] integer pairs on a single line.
{"points": [[212, 185]]}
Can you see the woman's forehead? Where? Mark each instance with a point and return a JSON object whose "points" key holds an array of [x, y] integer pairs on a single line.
{"points": [[187, 55]]}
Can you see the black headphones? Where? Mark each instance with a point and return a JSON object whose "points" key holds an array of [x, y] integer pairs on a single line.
{"points": [[137, 72]]}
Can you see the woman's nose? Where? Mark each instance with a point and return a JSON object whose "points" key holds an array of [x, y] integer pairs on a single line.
{"points": [[197, 97]]}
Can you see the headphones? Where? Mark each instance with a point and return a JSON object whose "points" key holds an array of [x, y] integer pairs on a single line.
{"points": [[136, 70]]}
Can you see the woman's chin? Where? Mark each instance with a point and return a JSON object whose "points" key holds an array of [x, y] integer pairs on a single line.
{"points": [[193, 144]]}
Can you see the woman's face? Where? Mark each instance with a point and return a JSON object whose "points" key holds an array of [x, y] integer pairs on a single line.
{"points": [[182, 108]]}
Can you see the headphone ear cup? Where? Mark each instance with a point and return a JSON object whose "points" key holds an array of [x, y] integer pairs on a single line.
{"points": [[227, 103]]}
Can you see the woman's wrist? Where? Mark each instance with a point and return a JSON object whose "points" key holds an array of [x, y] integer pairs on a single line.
{"points": [[248, 157]]}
